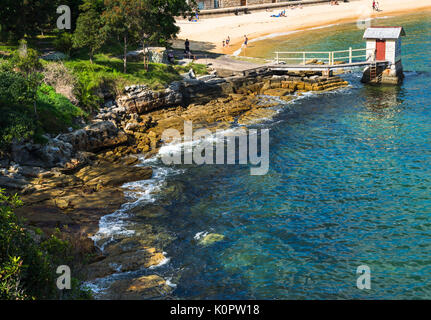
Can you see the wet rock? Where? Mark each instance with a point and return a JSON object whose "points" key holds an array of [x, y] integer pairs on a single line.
{"points": [[123, 262], [108, 174], [145, 287], [151, 211], [256, 115]]}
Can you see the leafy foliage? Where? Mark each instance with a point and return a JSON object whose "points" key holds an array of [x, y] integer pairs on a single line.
{"points": [[24, 269], [27, 267], [15, 100], [56, 112], [64, 42], [90, 32]]}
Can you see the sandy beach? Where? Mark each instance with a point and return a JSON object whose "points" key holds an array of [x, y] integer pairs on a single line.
{"points": [[208, 33]]}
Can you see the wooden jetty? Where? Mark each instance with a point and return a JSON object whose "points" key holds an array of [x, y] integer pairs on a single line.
{"points": [[381, 58]]}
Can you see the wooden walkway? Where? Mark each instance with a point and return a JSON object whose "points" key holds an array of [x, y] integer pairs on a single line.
{"points": [[323, 67], [324, 61]]}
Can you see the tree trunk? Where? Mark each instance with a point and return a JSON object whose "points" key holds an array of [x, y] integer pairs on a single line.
{"points": [[35, 110], [125, 54], [91, 57]]}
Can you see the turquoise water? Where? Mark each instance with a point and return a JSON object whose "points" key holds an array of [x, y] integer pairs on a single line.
{"points": [[349, 184]]}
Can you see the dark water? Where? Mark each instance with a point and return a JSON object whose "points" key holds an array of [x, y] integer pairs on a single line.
{"points": [[349, 184]]}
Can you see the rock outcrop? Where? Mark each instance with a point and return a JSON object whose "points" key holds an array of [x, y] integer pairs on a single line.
{"points": [[55, 153], [95, 137], [141, 99]]}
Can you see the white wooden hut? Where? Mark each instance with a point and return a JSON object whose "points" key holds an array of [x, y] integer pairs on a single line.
{"points": [[384, 44]]}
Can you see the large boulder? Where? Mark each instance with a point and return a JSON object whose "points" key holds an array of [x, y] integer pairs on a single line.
{"points": [[156, 54], [55, 153], [141, 99], [94, 137]]}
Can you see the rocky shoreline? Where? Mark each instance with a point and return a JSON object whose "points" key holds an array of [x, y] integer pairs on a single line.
{"points": [[77, 177]]}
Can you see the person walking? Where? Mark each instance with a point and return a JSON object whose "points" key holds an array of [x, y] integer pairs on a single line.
{"points": [[245, 41]]}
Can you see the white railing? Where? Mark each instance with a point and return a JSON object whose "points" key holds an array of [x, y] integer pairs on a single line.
{"points": [[328, 57]]}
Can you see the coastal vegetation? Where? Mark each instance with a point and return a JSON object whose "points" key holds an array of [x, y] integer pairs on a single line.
{"points": [[49, 96], [28, 259]]}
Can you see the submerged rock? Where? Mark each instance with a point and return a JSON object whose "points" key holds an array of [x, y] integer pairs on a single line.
{"points": [[210, 239], [137, 258], [145, 287]]}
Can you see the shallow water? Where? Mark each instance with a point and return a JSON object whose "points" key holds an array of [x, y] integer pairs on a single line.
{"points": [[348, 185]]}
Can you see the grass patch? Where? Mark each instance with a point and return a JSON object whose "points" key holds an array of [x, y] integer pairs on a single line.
{"points": [[111, 68], [55, 111]]}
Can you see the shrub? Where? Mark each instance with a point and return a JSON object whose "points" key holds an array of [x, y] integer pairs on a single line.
{"points": [[17, 119], [85, 92], [64, 42], [26, 61], [28, 268], [24, 269], [56, 112]]}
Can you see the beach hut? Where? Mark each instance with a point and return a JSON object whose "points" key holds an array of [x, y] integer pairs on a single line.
{"points": [[384, 44]]}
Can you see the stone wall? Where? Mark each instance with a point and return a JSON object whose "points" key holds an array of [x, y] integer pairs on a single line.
{"points": [[207, 4]]}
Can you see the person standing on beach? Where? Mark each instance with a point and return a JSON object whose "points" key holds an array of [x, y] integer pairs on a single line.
{"points": [[245, 40], [227, 41], [187, 46]]}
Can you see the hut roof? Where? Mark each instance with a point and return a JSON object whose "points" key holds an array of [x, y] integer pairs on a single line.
{"points": [[384, 33]]}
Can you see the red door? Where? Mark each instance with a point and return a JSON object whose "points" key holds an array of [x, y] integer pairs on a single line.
{"points": [[380, 50]]}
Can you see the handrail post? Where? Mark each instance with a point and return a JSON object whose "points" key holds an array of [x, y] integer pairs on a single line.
{"points": [[277, 57], [350, 55], [303, 58], [329, 57]]}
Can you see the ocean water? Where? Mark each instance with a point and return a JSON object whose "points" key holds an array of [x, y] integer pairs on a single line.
{"points": [[349, 184]]}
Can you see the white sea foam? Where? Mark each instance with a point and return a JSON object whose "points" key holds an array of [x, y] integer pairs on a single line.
{"points": [[200, 235], [162, 263], [169, 283], [178, 147], [116, 225]]}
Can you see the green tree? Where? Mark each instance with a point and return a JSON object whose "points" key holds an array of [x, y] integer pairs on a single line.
{"points": [[124, 18], [89, 32], [159, 16], [27, 62], [19, 18]]}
